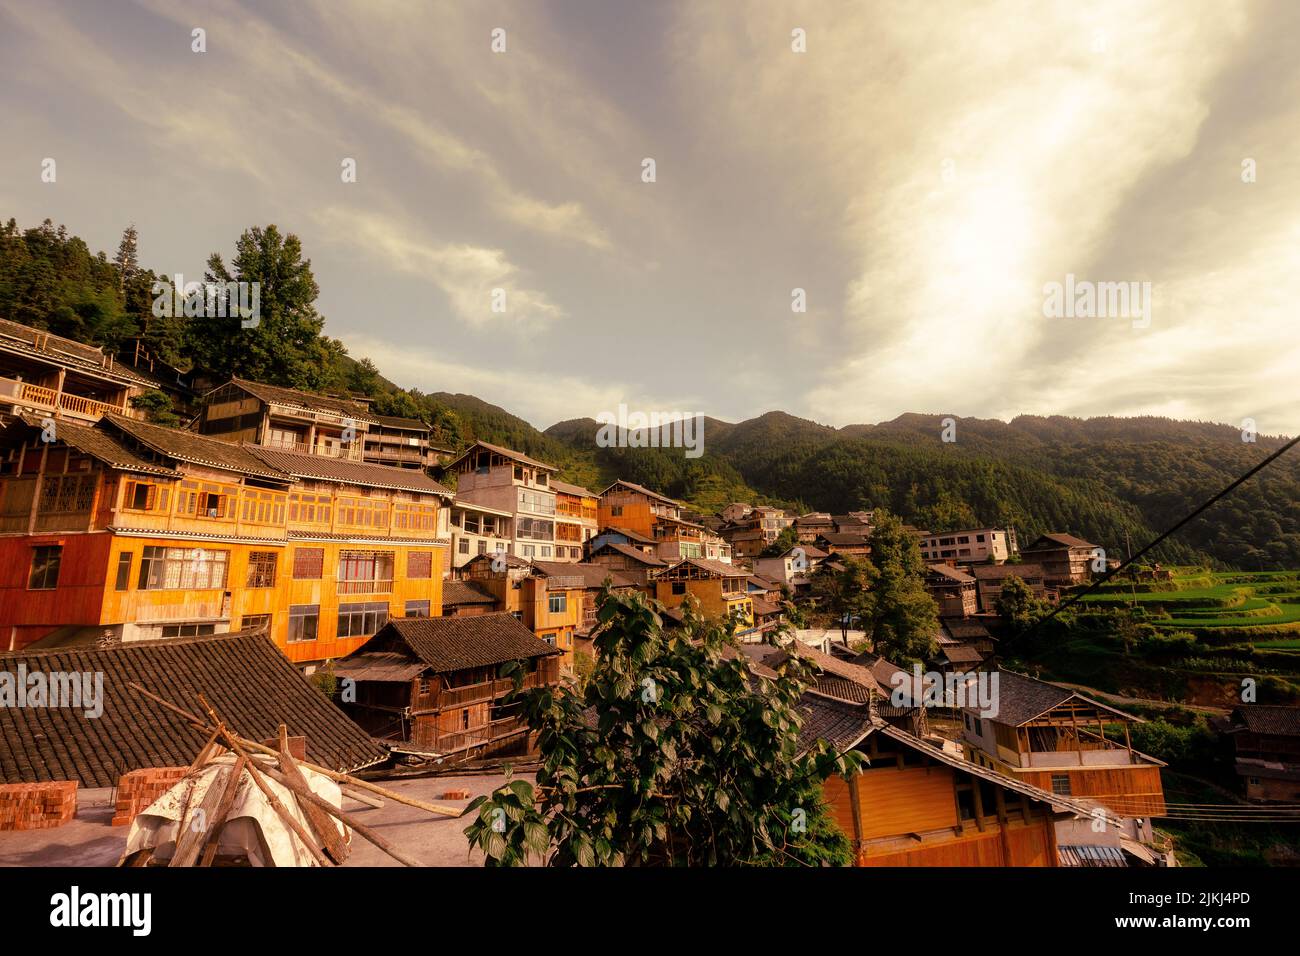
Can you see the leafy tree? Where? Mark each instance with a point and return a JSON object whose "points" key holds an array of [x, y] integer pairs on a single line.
{"points": [[901, 618], [157, 407], [673, 754], [285, 347], [787, 539], [843, 593]]}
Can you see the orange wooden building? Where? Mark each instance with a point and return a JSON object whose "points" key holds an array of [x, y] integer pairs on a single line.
{"points": [[721, 589], [135, 531]]}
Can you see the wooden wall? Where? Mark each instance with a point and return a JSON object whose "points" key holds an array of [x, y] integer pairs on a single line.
{"points": [[1129, 791]]}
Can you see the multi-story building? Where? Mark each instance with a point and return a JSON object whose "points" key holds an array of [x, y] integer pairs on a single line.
{"points": [[477, 529], [989, 578], [547, 597], [812, 525], [1265, 742], [512, 482], [334, 426], [954, 591], [50, 376], [135, 531], [722, 590], [626, 505], [576, 513], [1056, 739], [976, 546], [1065, 559]]}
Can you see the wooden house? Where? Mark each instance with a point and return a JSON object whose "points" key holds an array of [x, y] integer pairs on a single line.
{"points": [[635, 562], [511, 482], [1265, 742], [844, 543], [721, 590], [1064, 742], [434, 684], [1065, 559], [954, 591], [989, 579], [918, 804]]}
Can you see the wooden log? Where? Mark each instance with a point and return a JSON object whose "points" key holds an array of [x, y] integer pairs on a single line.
{"points": [[365, 831], [189, 841], [361, 797], [317, 820], [223, 811], [334, 775]]}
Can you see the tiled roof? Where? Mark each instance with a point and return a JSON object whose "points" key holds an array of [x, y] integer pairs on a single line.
{"points": [[564, 488], [1271, 719], [998, 572], [1022, 698], [245, 677], [1059, 540], [843, 539], [505, 453], [192, 448], [962, 654], [634, 553], [764, 608], [394, 421], [88, 359], [457, 593], [100, 445], [325, 468], [592, 575], [455, 643], [720, 568], [952, 574], [310, 401]]}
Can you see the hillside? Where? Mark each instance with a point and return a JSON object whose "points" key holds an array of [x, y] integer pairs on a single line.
{"points": [[1101, 478]]}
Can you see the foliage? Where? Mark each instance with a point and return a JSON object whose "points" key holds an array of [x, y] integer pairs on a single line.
{"points": [[673, 754], [901, 619], [157, 407], [787, 539]]}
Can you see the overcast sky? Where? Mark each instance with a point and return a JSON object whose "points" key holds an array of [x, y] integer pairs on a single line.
{"points": [[922, 171]]}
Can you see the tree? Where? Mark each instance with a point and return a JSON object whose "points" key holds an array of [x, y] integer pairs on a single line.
{"points": [[843, 592], [285, 346], [127, 260], [674, 753], [157, 407], [901, 618]]}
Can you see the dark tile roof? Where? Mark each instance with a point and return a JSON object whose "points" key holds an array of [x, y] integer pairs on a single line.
{"points": [[635, 553], [311, 401], [459, 593], [998, 572], [88, 359], [642, 489], [455, 643], [1022, 698], [592, 575], [1052, 541], [951, 574], [343, 471], [966, 630], [195, 449], [394, 421], [962, 654], [841, 724], [249, 681], [763, 607], [843, 539], [98, 444], [720, 568], [1271, 719]]}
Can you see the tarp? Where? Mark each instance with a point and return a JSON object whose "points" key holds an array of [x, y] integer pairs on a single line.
{"points": [[252, 829]]}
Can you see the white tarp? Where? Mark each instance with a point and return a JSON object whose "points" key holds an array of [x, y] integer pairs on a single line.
{"points": [[253, 828]]}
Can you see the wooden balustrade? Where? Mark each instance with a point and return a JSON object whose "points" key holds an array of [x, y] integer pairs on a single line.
{"points": [[39, 396]]}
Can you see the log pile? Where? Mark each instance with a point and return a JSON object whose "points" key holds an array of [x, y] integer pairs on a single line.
{"points": [[197, 846]]}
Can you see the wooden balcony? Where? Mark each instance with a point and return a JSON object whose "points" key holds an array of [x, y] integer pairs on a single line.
{"points": [[47, 399], [478, 736], [483, 691]]}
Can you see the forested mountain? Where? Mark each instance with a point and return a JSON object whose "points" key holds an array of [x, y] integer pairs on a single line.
{"points": [[1099, 478]]}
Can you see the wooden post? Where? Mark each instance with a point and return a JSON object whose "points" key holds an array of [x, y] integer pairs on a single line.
{"points": [[855, 802]]}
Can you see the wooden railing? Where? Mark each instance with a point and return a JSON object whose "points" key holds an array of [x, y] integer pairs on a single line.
{"points": [[39, 396], [476, 736], [365, 587], [485, 690]]}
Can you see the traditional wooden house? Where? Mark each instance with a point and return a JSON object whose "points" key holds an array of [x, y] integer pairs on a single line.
{"points": [[575, 519], [433, 685], [918, 804], [627, 505], [972, 546], [595, 578], [842, 544], [1065, 559], [635, 562], [462, 599], [548, 603], [721, 590], [511, 482], [1069, 744], [1265, 741], [952, 590], [812, 525], [989, 579]]}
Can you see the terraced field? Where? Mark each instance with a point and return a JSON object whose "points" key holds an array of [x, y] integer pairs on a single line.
{"points": [[1262, 607]]}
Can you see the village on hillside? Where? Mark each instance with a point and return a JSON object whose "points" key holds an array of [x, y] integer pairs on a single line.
{"points": [[304, 620]]}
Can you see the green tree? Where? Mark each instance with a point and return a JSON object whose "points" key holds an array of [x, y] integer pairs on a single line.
{"points": [[787, 539], [285, 346], [901, 618], [842, 592], [674, 754]]}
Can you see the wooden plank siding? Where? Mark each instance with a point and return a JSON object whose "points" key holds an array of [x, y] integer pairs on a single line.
{"points": [[1134, 791]]}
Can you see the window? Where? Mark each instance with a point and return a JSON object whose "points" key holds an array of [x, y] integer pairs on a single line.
{"points": [[535, 529], [519, 473], [471, 524], [259, 621], [361, 620], [188, 630], [546, 550], [365, 572], [557, 603], [419, 564], [123, 571], [45, 568], [1061, 784], [66, 493], [308, 564], [417, 608], [261, 569], [185, 569], [541, 478], [143, 496], [616, 511], [464, 719], [482, 547], [462, 546], [303, 621], [679, 587], [529, 550]]}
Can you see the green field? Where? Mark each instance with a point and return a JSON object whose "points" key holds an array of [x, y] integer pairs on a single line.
{"points": [[1263, 605]]}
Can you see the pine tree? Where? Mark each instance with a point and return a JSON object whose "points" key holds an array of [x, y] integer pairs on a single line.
{"points": [[127, 259]]}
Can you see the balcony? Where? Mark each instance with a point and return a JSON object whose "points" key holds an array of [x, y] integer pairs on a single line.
{"points": [[384, 586], [47, 399]]}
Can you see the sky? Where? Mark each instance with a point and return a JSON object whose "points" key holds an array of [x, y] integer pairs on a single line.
{"points": [[923, 172]]}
